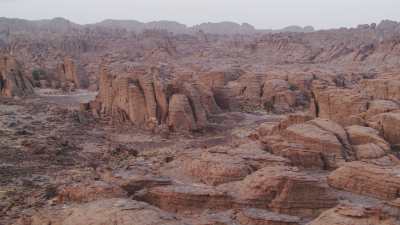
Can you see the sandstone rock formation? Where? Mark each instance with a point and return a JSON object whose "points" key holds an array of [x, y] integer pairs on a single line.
{"points": [[340, 105], [282, 189], [149, 100], [354, 214], [187, 198], [313, 143], [220, 165], [367, 179], [89, 192], [70, 75], [12, 79], [263, 217], [110, 211]]}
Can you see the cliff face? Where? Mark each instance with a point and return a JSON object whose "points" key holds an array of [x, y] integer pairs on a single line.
{"points": [[12, 80], [148, 99], [69, 74]]}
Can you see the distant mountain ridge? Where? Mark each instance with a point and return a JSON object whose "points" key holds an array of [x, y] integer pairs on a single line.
{"points": [[221, 28]]}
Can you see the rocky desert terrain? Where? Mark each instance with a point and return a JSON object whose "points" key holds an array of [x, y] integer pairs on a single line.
{"points": [[129, 123]]}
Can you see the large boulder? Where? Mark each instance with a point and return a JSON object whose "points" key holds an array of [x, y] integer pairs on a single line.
{"points": [[187, 198], [359, 135], [367, 179], [108, 211], [318, 140], [263, 217], [376, 107], [277, 96], [355, 215], [282, 189], [389, 126], [220, 165], [343, 106]]}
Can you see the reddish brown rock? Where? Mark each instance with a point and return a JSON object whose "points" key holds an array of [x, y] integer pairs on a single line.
{"points": [[12, 79], [367, 179], [388, 125], [316, 139], [262, 217], [109, 211], [89, 192], [359, 135], [355, 215], [276, 127], [282, 189], [343, 106], [181, 116], [150, 100], [69, 74], [132, 181], [376, 107], [277, 96], [225, 164], [187, 198], [385, 89]]}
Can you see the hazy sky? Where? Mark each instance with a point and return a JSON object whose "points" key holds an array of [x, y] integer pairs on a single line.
{"points": [[260, 13]]}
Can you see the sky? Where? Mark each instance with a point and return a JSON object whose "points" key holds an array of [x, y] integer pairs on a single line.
{"points": [[263, 14]]}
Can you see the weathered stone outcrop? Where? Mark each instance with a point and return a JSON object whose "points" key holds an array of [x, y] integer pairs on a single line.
{"points": [[376, 107], [385, 89], [220, 165], [151, 100], [347, 214], [262, 217], [307, 143], [12, 79], [359, 135], [253, 91], [277, 96], [388, 124], [109, 211], [187, 198], [86, 192], [70, 75], [133, 181], [343, 106], [282, 189], [367, 179], [317, 140]]}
